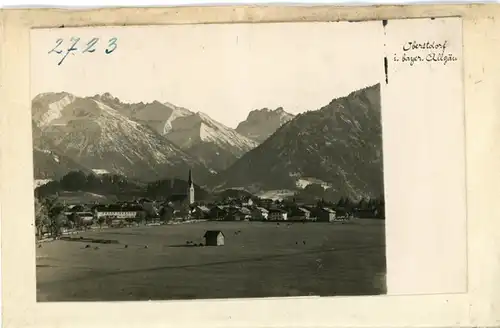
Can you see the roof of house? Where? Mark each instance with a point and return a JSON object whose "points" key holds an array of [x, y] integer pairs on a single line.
{"points": [[132, 208], [305, 210], [98, 207], [276, 210], [328, 209], [245, 210], [203, 208], [212, 233], [85, 213], [144, 200], [81, 214], [78, 208], [262, 209], [112, 207], [118, 208]]}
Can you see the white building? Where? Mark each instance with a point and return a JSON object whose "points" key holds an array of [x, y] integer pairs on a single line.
{"points": [[116, 214], [278, 215]]}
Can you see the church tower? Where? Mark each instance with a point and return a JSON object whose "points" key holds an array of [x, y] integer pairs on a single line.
{"points": [[190, 189]]}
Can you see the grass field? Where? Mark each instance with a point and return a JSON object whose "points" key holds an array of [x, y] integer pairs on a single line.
{"points": [[263, 260]]}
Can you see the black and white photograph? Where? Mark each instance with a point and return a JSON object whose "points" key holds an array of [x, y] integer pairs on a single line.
{"points": [[205, 162]]}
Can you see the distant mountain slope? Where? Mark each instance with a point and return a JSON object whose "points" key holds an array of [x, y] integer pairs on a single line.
{"points": [[212, 142], [51, 165], [98, 136], [261, 123], [48, 161], [338, 146]]}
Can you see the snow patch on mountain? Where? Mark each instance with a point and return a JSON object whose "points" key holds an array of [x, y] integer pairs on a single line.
{"points": [[100, 171], [218, 133], [114, 121], [176, 113], [55, 110], [276, 194], [304, 182]]}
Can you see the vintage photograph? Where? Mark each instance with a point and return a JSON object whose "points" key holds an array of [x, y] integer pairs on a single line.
{"points": [[207, 162]]}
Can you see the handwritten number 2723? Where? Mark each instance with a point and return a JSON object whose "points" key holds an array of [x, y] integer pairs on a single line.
{"points": [[89, 47]]}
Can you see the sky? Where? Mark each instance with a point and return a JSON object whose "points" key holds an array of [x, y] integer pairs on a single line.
{"points": [[223, 70]]}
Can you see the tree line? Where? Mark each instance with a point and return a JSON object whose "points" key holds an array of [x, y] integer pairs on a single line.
{"points": [[314, 193], [114, 184]]}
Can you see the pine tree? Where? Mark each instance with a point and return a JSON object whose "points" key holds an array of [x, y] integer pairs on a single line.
{"points": [[41, 217]]}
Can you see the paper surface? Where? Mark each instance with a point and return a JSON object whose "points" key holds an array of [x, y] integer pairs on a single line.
{"points": [[424, 123]]}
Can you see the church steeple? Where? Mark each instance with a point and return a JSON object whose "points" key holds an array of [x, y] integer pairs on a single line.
{"points": [[190, 188]]}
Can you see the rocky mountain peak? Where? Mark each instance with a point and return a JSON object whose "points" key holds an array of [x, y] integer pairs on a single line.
{"points": [[261, 123]]}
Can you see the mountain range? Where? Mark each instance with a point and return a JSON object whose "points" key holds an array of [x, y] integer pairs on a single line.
{"points": [[211, 142], [138, 140], [98, 136], [338, 147]]}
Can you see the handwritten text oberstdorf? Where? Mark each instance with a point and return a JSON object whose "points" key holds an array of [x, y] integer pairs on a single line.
{"points": [[425, 52]]}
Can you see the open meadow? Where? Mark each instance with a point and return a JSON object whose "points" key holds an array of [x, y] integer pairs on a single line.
{"points": [[259, 259]]}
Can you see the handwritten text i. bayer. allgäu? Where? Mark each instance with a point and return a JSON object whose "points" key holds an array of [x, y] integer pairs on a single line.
{"points": [[414, 52]]}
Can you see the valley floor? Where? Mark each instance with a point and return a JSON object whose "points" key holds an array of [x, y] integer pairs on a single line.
{"points": [[259, 259]]}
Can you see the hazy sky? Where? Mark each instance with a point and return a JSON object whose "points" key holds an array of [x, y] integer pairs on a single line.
{"points": [[222, 70]]}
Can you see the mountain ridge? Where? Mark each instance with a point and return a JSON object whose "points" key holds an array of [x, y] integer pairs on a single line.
{"points": [[215, 144], [339, 146]]}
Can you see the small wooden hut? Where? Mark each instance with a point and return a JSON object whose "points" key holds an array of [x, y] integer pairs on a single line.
{"points": [[214, 238]]}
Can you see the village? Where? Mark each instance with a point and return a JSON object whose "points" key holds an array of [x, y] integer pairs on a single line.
{"points": [[182, 208], [178, 210]]}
